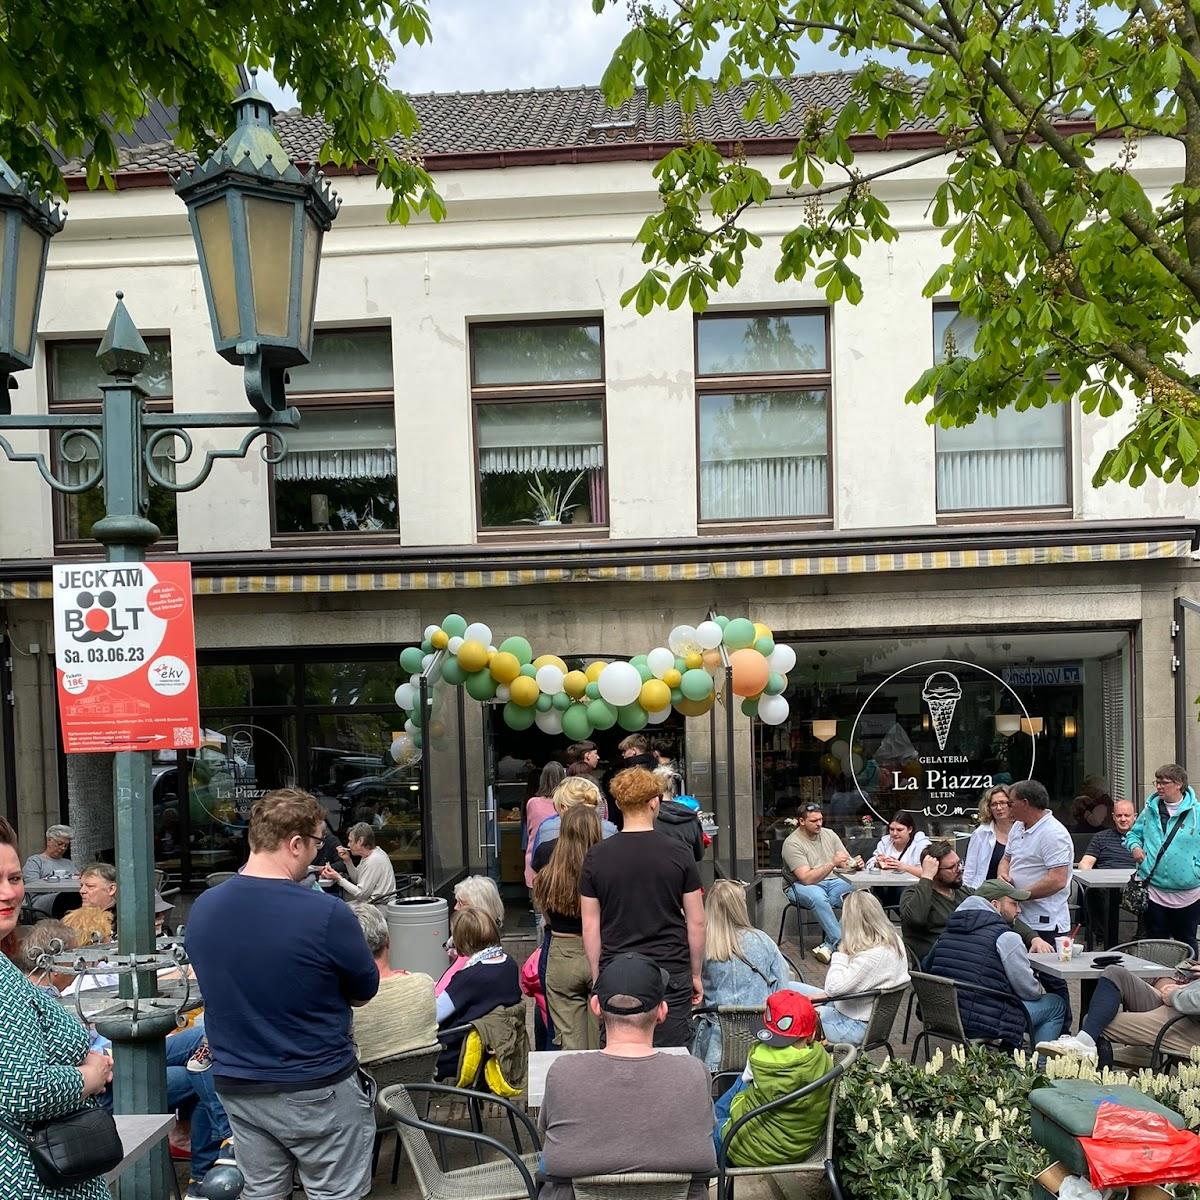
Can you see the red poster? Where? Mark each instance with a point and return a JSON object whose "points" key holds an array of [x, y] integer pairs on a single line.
{"points": [[125, 649]]}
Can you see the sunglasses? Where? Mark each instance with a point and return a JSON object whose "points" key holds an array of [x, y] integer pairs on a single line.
{"points": [[808, 808]]}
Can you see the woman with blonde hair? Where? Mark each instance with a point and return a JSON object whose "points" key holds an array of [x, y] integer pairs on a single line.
{"points": [[988, 842], [741, 964], [568, 977], [869, 958], [575, 789]]}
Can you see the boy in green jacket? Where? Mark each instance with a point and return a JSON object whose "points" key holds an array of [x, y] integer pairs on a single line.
{"points": [[784, 1059]]}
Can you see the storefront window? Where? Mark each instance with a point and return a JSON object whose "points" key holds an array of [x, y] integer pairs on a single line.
{"points": [[926, 724]]}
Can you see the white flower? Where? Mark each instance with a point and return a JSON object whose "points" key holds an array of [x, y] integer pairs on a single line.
{"points": [[861, 1125], [937, 1167], [909, 1128]]}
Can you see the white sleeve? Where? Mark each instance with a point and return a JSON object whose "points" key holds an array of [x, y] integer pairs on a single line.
{"points": [[978, 856]]}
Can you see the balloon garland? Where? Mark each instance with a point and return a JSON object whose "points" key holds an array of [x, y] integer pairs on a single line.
{"points": [[543, 691]]}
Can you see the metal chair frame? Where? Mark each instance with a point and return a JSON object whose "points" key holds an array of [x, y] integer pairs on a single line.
{"points": [[932, 1003], [646, 1185], [884, 1010], [738, 1024], [410, 1066], [1160, 1057]]}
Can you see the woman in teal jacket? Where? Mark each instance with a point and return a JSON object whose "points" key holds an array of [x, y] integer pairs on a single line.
{"points": [[1174, 895]]}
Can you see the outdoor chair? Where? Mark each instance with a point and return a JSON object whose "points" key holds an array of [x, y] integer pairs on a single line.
{"points": [[738, 1024], [218, 877], [804, 918], [1158, 950], [160, 878], [646, 1186], [1162, 1056], [478, 1092], [508, 1178], [914, 964], [819, 1161], [937, 998], [885, 1007], [411, 1066]]}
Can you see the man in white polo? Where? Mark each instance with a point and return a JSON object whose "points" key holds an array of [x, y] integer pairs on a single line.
{"points": [[1038, 860]]}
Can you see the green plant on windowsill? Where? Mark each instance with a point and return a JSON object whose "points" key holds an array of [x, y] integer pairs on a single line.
{"points": [[551, 505]]}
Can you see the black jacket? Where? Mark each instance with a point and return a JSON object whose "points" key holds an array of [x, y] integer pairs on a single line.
{"points": [[679, 821]]}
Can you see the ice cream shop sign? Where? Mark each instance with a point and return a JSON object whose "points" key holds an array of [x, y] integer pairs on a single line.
{"points": [[935, 734]]}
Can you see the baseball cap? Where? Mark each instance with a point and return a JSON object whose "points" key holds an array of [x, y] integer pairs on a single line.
{"points": [[996, 889], [161, 905], [632, 975], [788, 1017]]}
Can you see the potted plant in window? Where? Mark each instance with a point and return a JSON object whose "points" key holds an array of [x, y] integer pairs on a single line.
{"points": [[551, 505]]}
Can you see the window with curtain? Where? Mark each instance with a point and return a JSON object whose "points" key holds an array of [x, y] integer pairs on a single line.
{"points": [[762, 383], [1010, 460], [339, 474], [75, 378], [537, 392]]}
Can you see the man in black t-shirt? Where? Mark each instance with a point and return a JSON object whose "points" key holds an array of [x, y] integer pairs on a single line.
{"points": [[640, 893]]}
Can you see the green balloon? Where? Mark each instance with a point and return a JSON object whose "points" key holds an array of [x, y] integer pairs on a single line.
{"points": [[681, 665], [417, 717], [722, 621], [696, 684], [516, 717], [739, 634], [410, 660], [592, 691], [643, 669], [676, 695], [426, 647], [633, 717], [452, 673], [519, 648], [561, 701], [577, 724], [529, 670], [765, 646], [417, 739], [601, 714], [454, 625], [775, 683], [638, 661], [750, 707], [481, 685], [545, 703]]}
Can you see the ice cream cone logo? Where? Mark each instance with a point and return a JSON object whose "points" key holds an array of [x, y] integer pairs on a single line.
{"points": [[941, 693]]}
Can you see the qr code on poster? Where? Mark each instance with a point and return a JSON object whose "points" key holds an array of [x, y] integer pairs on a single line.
{"points": [[184, 736]]}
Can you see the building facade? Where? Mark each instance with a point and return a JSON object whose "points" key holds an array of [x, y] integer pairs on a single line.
{"points": [[486, 430]]}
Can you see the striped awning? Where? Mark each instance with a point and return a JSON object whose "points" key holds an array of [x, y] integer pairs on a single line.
{"points": [[764, 567]]}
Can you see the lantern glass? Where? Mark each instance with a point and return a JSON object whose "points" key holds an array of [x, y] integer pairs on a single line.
{"points": [[308, 281], [824, 729], [1007, 724], [216, 240], [31, 255], [269, 236]]}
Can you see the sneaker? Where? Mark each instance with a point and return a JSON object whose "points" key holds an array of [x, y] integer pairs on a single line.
{"points": [[822, 953], [201, 1059], [1081, 1046], [225, 1156]]}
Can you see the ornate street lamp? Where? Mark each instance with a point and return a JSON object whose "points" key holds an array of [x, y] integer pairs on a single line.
{"points": [[28, 220], [258, 225]]}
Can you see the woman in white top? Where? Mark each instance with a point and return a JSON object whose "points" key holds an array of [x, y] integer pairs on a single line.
{"points": [[986, 847], [900, 848], [869, 958]]}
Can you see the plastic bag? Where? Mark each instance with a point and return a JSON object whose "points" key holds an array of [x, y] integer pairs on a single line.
{"points": [[1129, 1146], [1075, 1187]]}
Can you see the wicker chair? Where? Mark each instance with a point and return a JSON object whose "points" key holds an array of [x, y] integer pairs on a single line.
{"points": [[885, 1008], [738, 1024], [412, 1066], [510, 1178], [646, 1186], [819, 1161], [1161, 1056], [940, 1018], [1157, 950]]}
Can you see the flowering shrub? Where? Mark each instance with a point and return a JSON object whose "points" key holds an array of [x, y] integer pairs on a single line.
{"points": [[958, 1128]]}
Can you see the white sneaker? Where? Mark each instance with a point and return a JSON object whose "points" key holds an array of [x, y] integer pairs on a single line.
{"points": [[822, 953], [1081, 1046]]}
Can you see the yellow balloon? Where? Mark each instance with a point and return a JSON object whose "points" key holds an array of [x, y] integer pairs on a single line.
{"points": [[695, 708], [524, 691], [693, 659], [593, 670], [440, 639], [549, 660], [761, 631], [672, 678], [472, 656], [575, 684], [655, 695], [506, 667]]}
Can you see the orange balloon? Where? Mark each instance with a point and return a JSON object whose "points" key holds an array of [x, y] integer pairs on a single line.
{"points": [[711, 659], [750, 672]]}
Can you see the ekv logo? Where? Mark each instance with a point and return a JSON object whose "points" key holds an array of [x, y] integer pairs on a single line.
{"points": [[169, 675]]}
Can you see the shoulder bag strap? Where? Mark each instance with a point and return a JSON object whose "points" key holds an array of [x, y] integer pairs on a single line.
{"points": [[760, 974], [1163, 848], [15, 1130]]}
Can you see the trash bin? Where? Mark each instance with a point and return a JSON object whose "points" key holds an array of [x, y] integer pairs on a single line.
{"points": [[418, 927]]}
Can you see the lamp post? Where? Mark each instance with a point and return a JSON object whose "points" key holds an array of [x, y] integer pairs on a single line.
{"points": [[258, 224]]}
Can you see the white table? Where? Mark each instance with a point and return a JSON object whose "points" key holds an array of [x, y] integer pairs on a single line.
{"points": [[48, 887], [1108, 878], [139, 1135], [540, 1062], [877, 879], [1082, 967]]}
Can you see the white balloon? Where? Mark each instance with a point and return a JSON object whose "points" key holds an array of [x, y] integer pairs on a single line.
{"points": [[620, 684], [415, 680], [549, 721], [708, 634], [549, 680], [409, 728], [839, 748], [428, 658], [773, 710], [782, 659], [478, 632], [406, 697], [503, 693], [657, 718], [430, 630], [682, 640], [455, 644], [660, 661], [403, 751]]}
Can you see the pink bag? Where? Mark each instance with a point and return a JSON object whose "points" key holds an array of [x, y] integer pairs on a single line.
{"points": [[531, 983], [1129, 1147]]}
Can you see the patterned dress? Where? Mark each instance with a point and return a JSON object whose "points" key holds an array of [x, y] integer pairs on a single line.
{"points": [[40, 1046]]}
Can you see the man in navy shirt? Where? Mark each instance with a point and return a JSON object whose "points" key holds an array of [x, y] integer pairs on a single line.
{"points": [[280, 967]]}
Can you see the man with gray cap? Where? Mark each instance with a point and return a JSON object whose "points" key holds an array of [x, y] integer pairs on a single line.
{"points": [[53, 862], [591, 1117], [979, 946]]}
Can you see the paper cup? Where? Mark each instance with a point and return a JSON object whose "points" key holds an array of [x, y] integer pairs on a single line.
{"points": [[1063, 944]]}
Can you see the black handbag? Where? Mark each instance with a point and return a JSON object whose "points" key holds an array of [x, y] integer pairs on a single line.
{"points": [[72, 1149], [1135, 896]]}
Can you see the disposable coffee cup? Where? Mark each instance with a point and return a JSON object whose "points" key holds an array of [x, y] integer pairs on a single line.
{"points": [[1064, 945], [1076, 949]]}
